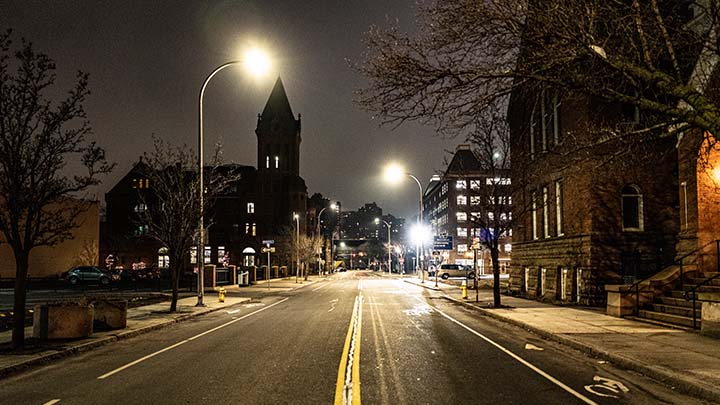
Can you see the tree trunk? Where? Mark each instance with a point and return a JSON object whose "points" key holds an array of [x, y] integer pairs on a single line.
{"points": [[496, 276], [21, 271], [175, 281]]}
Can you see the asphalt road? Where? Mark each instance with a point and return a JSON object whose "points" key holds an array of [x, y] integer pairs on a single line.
{"points": [[356, 335]]}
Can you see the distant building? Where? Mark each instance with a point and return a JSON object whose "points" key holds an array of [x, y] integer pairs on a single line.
{"points": [[259, 206], [80, 249], [456, 204]]}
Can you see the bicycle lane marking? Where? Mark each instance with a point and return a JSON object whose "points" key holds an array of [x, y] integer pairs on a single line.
{"points": [[515, 356], [182, 342]]}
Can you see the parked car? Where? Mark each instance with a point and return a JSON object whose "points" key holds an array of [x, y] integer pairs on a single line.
{"points": [[88, 274], [454, 270]]}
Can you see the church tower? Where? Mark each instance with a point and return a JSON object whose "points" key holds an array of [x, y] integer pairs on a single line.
{"points": [[278, 135], [282, 191]]}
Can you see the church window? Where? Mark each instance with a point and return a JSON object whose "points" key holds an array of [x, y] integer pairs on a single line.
{"points": [[632, 209], [277, 162], [251, 208], [267, 162]]}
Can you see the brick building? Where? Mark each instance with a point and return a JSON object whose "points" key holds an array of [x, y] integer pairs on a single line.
{"points": [[259, 206], [462, 203]]}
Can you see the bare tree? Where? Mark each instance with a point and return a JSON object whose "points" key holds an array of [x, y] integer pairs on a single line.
{"points": [[173, 204], [468, 55], [38, 197], [308, 248]]}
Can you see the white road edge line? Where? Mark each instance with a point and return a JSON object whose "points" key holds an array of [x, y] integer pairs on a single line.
{"points": [[518, 358], [322, 286], [140, 360], [51, 402]]}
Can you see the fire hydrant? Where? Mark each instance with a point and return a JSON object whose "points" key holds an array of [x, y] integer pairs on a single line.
{"points": [[463, 288], [221, 294]]}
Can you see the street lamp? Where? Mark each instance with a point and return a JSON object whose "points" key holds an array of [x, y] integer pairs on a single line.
{"points": [[377, 221], [256, 62], [296, 217], [333, 206], [393, 173]]}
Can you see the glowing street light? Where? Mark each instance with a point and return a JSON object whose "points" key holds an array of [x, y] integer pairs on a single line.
{"points": [[334, 207], [256, 64], [393, 173], [296, 217]]}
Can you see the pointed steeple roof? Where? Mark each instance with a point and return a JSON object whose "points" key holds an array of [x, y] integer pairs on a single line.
{"points": [[277, 104]]}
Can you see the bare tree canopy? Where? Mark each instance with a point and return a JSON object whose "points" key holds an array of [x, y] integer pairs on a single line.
{"points": [[37, 138], [471, 54], [173, 201]]}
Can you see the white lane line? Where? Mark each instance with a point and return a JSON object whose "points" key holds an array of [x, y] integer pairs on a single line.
{"points": [[140, 360], [322, 286], [516, 357], [234, 311], [51, 402]]}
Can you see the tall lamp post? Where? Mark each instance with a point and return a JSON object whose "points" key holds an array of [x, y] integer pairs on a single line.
{"points": [[333, 206], [257, 62], [296, 217], [393, 173], [377, 221]]}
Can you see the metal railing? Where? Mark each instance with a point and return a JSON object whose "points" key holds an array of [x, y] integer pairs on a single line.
{"points": [[694, 291], [635, 287]]}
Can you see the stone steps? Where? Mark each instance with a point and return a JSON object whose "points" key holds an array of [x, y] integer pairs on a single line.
{"points": [[668, 318], [659, 323], [685, 311], [677, 301]]}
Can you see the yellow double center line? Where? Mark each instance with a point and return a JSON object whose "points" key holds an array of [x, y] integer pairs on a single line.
{"points": [[347, 390]]}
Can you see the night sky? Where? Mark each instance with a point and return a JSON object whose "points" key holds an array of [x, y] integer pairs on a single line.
{"points": [[147, 60]]}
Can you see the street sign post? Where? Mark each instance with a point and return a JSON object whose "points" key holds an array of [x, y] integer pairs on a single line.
{"points": [[443, 243]]}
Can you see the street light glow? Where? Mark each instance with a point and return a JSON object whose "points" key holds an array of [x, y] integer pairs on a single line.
{"points": [[420, 234], [393, 173], [256, 62]]}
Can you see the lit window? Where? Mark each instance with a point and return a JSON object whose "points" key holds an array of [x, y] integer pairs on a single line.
{"points": [[140, 208], [475, 184], [461, 232], [503, 181], [546, 213], [474, 200], [461, 200], [267, 162], [508, 247], [163, 258], [135, 183], [221, 255], [208, 253], [462, 248], [251, 208], [491, 216], [559, 208], [460, 185], [461, 216], [254, 229], [277, 162], [534, 216], [193, 255], [247, 228]]}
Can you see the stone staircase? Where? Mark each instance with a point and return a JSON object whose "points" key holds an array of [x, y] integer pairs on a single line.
{"points": [[672, 309]]}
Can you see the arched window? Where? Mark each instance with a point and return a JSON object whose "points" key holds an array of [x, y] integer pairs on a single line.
{"points": [[163, 258], [632, 208]]}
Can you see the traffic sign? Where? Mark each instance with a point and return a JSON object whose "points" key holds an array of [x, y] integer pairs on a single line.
{"points": [[443, 243], [268, 242], [268, 250]]}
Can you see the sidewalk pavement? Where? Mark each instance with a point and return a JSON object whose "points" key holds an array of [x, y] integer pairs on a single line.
{"points": [[140, 320], [686, 360]]}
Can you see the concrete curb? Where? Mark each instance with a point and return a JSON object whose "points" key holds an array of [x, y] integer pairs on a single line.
{"points": [[660, 374], [46, 358]]}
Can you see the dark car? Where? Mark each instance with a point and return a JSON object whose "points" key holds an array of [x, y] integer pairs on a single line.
{"points": [[88, 274]]}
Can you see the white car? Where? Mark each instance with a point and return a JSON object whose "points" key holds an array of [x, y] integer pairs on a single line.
{"points": [[445, 271]]}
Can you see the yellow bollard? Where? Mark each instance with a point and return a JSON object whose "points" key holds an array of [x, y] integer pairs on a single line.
{"points": [[463, 287], [221, 294]]}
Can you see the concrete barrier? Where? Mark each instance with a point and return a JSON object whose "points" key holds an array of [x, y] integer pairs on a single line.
{"points": [[63, 321], [110, 314]]}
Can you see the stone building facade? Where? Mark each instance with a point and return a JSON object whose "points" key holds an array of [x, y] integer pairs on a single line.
{"points": [[259, 206]]}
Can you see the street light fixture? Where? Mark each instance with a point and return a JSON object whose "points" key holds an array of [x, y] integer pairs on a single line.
{"points": [[296, 217], [256, 62], [393, 173], [333, 206], [377, 221]]}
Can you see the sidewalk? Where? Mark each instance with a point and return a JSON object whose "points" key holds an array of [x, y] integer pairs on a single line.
{"points": [[140, 320], [685, 360]]}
